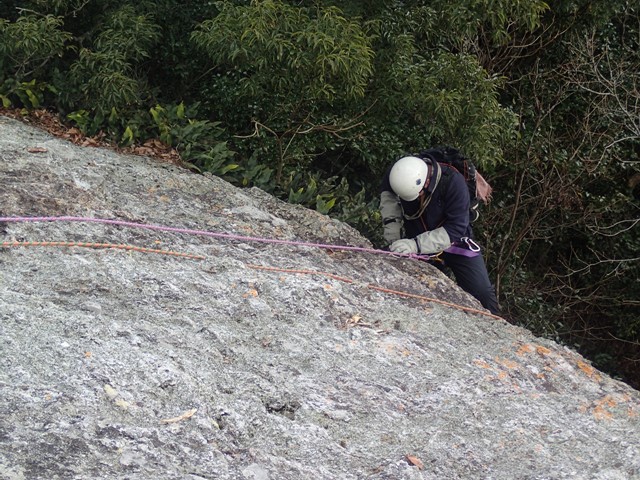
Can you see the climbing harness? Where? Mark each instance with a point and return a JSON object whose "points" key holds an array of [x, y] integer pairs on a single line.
{"points": [[472, 248]]}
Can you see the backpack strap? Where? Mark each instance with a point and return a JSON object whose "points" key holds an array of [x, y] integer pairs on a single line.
{"points": [[479, 189], [425, 200]]}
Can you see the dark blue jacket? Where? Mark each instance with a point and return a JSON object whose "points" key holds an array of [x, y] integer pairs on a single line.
{"points": [[448, 207]]}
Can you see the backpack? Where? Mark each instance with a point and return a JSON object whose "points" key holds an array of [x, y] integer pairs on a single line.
{"points": [[479, 189]]}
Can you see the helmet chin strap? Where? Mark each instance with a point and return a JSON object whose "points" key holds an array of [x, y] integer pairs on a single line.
{"points": [[425, 197]]}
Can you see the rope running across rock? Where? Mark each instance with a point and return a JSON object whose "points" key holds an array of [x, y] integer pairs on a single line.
{"points": [[229, 237]]}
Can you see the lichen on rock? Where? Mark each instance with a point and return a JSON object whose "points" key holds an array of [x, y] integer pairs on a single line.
{"points": [[261, 360]]}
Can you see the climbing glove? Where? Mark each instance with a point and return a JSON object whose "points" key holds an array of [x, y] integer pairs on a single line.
{"points": [[392, 231], [405, 245]]}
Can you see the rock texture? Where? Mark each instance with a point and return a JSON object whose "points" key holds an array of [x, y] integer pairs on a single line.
{"points": [[119, 363]]}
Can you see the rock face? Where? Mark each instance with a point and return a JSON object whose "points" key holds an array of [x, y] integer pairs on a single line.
{"points": [[260, 360]]}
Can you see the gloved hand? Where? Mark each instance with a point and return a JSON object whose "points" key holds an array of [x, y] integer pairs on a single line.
{"points": [[392, 231], [405, 245]]}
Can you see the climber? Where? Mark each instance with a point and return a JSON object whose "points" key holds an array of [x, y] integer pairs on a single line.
{"points": [[429, 201]]}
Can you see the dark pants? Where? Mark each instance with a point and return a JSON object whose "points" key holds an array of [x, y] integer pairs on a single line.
{"points": [[471, 275]]}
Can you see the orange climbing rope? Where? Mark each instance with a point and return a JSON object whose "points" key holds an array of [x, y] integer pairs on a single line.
{"points": [[379, 289], [101, 245], [255, 267]]}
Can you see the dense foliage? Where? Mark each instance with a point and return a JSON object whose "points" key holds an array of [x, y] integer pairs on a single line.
{"points": [[311, 100]]}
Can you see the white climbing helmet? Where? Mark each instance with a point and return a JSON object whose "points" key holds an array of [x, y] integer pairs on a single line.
{"points": [[408, 176]]}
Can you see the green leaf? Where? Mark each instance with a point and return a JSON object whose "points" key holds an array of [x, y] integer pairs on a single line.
{"points": [[33, 98], [127, 137], [228, 168], [156, 112], [113, 116]]}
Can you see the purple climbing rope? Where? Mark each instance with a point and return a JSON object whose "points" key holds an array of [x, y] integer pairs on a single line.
{"points": [[227, 236]]}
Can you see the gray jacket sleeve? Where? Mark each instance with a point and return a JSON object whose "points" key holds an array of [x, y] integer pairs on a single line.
{"points": [[390, 207], [391, 213], [433, 241]]}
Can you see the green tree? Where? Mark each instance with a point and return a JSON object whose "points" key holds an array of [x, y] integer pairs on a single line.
{"points": [[291, 65], [564, 237], [27, 47]]}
